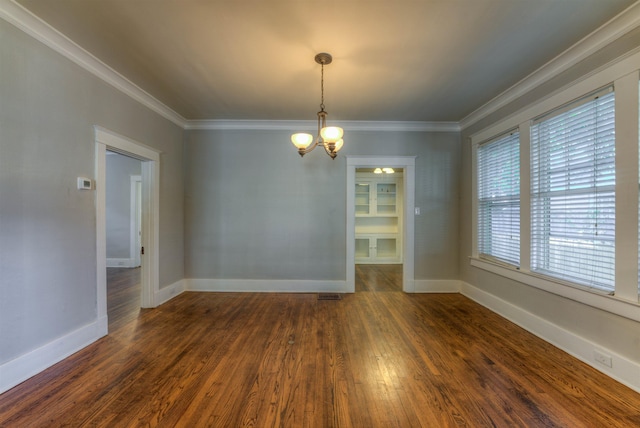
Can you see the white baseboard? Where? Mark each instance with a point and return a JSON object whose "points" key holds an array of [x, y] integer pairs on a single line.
{"points": [[25, 366], [266, 286], [436, 286], [167, 293], [123, 263], [624, 370]]}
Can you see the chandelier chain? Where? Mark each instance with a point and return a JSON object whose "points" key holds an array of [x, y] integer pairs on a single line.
{"points": [[322, 86]]}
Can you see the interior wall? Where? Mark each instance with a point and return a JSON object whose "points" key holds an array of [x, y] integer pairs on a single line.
{"points": [[47, 226], [255, 210], [120, 168], [615, 333]]}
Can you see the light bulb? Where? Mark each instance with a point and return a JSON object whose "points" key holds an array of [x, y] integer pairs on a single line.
{"points": [[301, 140], [331, 134]]}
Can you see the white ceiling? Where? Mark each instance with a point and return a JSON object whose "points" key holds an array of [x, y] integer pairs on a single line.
{"points": [[401, 60]]}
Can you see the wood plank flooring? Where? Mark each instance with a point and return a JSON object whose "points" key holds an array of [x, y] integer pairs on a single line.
{"points": [[376, 358], [123, 296]]}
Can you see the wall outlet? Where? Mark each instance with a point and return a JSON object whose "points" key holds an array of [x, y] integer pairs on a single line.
{"points": [[603, 359]]}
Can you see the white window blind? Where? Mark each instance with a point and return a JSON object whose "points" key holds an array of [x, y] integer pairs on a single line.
{"points": [[499, 198], [572, 192]]}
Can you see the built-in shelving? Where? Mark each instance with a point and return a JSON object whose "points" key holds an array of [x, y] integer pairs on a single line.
{"points": [[378, 221]]}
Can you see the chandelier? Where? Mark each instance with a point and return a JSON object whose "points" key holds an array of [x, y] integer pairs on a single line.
{"points": [[329, 136]]}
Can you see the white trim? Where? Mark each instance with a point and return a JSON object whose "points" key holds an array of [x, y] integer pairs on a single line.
{"points": [[598, 39], [43, 32], [124, 145], [167, 293], [135, 220], [291, 125], [101, 230], [577, 89], [122, 263], [266, 286], [605, 302], [38, 29], [624, 370], [437, 286], [409, 186], [104, 140], [626, 191], [25, 366]]}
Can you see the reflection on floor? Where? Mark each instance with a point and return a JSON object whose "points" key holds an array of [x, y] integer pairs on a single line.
{"points": [[123, 296], [378, 278]]}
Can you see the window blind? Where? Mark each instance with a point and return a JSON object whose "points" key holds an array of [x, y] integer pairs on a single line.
{"points": [[499, 198], [572, 193]]}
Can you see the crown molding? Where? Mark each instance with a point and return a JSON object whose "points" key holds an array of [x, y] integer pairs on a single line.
{"points": [[26, 21], [612, 30], [290, 125], [23, 19]]}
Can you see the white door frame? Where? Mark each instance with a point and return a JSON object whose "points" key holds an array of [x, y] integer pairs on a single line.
{"points": [[150, 157], [135, 220], [408, 163]]}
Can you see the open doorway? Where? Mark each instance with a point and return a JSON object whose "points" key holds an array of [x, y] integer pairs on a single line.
{"points": [[123, 237], [379, 203], [392, 232], [149, 158]]}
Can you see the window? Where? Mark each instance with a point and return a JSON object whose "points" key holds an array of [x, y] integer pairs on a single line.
{"points": [[573, 192], [499, 198]]}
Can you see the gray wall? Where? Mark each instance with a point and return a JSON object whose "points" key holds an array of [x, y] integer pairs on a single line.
{"points": [[118, 199], [613, 332], [47, 227], [255, 210]]}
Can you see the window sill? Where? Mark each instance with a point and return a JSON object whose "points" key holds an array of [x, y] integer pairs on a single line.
{"points": [[577, 293]]}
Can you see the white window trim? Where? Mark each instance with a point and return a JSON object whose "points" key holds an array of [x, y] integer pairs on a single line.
{"points": [[571, 291], [625, 302]]}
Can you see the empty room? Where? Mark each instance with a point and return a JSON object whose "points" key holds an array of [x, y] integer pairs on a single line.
{"points": [[328, 214]]}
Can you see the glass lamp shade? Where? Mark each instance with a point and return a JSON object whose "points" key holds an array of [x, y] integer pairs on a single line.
{"points": [[339, 144], [377, 171], [388, 170], [301, 140], [331, 134]]}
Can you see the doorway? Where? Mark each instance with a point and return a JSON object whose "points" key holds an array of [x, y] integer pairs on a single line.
{"points": [[123, 237], [379, 201], [149, 201], [403, 249]]}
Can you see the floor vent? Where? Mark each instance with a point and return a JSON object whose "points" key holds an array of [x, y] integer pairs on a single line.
{"points": [[329, 296]]}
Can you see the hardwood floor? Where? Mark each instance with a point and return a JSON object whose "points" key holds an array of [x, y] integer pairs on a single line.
{"points": [[376, 358], [123, 296]]}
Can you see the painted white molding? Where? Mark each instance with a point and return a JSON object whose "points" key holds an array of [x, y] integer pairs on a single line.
{"points": [[135, 219], [122, 263], [25, 366], [408, 221], [436, 286], [169, 292], [107, 140], [43, 32], [595, 299], [591, 82], [266, 286], [38, 29], [624, 370], [612, 30], [291, 125]]}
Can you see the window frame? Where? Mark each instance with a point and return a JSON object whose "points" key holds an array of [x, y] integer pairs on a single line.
{"points": [[506, 200], [554, 185], [624, 75]]}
